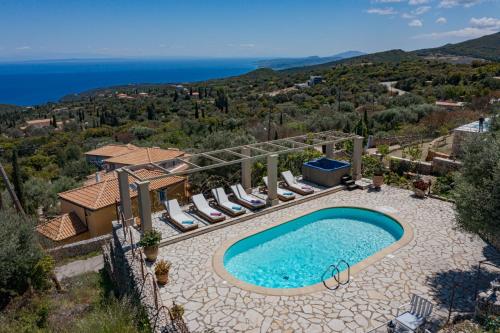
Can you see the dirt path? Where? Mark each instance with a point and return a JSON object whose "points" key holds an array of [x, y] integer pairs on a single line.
{"points": [[93, 264]]}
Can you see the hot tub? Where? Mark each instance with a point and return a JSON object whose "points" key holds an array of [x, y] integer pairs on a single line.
{"points": [[325, 172]]}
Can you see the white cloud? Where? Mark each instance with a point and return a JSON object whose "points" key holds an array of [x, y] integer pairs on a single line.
{"points": [[462, 33], [418, 2], [441, 20], [421, 10], [382, 11], [21, 48], [416, 24], [485, 22], [407, 16], [455, 3], [388, 1], [247, 45]]}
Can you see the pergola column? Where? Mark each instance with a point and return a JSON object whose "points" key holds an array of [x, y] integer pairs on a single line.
{"points": [[357, 153], [246, 171], [272, 180], [125, 201], [329, 150], [144, 201]]}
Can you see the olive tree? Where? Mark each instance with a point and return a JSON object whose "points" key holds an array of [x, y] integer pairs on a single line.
{"points": [[477, 192]]}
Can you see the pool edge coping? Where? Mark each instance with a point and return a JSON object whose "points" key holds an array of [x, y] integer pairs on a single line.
{"points": [[220, 270]]}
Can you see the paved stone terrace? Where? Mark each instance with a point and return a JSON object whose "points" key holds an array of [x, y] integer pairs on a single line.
{"points": [[438, 254]]}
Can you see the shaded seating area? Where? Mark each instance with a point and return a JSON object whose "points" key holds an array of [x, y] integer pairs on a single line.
{"points": [[293, 185], [224, 206], [222, 202], [180, 219], [203, 209], [247, 200], [283, 194]]}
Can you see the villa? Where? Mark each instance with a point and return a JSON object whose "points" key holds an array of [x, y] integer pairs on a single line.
{"points": [[88, 211], [246, 259]]}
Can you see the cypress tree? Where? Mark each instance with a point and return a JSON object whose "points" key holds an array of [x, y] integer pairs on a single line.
{"points": [[16, 177], [196, 111], [54, 121]]}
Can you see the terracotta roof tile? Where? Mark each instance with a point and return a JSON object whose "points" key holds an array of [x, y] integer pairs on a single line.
{"points": [[62, 227], [112, 150], [144, 156], [106, 192]]}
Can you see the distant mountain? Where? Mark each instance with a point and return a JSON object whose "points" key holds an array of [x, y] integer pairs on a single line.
{"points": [[486, 47], [284, 63]]}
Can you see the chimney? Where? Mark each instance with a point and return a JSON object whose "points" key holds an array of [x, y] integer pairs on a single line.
{"points": [[97, 177]]}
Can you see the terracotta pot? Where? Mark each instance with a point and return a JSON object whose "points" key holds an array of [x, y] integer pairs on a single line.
{"points": [[378, 181], [151, 252], [419, 193], [162, 278]]}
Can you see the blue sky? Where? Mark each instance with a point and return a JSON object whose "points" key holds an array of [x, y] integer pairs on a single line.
{"points": [[34, 29]]}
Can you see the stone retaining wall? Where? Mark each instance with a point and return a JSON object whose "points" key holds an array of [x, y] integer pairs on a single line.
{"points": [[79, 248], [124, 268], [404, 164], [438, 166], [442, 166]]}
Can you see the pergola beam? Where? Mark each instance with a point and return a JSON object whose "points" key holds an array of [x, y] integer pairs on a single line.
{"points": [[213, 158], [318, 139]]}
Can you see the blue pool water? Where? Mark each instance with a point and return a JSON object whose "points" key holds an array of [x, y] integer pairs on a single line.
{"points": [[296, 254]]}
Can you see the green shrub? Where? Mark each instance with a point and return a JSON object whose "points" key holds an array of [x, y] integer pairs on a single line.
{"points": [[150, 238], [22, 261], [477, 194]]}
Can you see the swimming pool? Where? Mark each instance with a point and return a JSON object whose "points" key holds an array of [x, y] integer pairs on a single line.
{"points": [[295, 254]]}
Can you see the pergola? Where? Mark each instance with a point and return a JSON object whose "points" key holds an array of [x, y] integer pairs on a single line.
{"points": [[244, 155]]}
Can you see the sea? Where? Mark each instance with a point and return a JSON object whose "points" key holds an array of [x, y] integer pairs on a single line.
{"points": [[30, 83]]}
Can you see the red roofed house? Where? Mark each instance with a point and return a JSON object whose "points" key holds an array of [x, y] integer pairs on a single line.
{"points": [[88, 211]]}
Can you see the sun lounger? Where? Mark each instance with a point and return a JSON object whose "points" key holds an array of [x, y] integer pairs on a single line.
{"points": [[246, 200], [178, 217], [294, 186], [283, 195], [207, 212], [224, 204]]}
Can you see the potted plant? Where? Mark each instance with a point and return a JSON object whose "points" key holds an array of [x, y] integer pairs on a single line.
{"points": [[176, 312], [420, 187], [149, 241], [378, 176], [161, 271]]}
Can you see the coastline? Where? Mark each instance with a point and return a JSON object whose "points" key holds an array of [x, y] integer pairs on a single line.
{"points": [[36, 83]]}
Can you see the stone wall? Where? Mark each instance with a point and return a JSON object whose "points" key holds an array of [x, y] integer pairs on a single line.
{"points": [[431, 154], [79, 248], [404, 164], [438, 165], [442, 166], [124, 268]]}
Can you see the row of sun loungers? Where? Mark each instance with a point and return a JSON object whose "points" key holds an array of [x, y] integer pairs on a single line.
{"points": [[186, 222]]}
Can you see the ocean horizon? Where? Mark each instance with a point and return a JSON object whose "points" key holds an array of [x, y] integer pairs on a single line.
{"points": [[29, 83]]}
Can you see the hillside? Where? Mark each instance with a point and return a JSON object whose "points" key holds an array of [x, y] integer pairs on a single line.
{"points": [[391, 56], [486, 47], [285, 63]]}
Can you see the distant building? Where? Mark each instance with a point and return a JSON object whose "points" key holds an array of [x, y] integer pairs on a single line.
{"points": [[39, 123], [460, 134], [301, 85], [450, 105], [124, 96], [88, 211], [314, 80]]}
